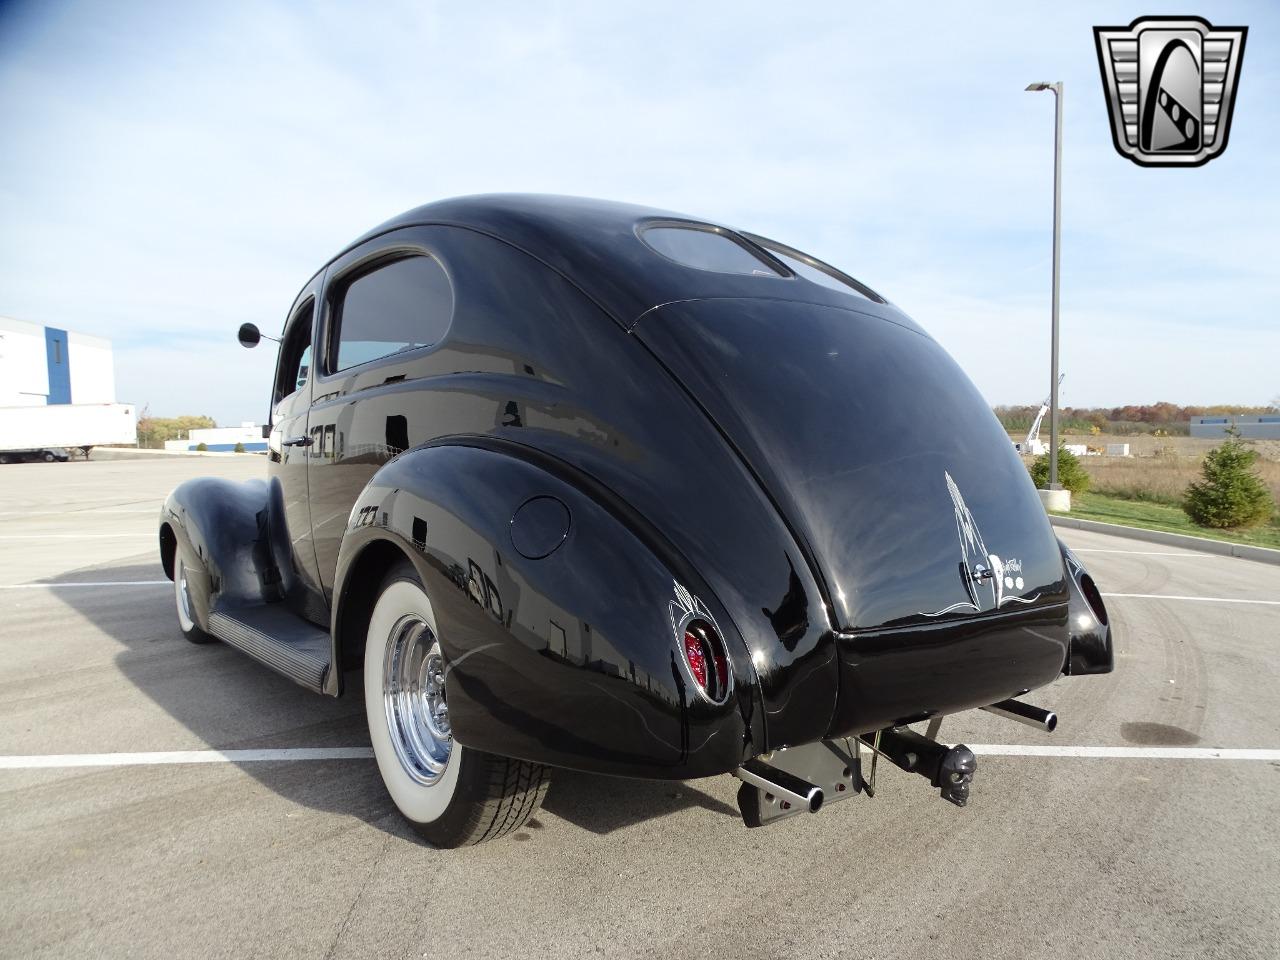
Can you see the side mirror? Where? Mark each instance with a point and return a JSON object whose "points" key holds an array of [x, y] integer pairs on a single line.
{"points": [[249, 335]]}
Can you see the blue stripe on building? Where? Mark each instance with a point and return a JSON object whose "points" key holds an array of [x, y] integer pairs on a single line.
{"points": [[55, 344]]}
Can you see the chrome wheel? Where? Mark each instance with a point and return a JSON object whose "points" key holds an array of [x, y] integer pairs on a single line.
{"points": [[413, 695], [182, 593]]}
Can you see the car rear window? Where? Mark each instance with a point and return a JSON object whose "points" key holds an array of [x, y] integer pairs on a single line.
{"points": [[705, 248], [815, 271]]}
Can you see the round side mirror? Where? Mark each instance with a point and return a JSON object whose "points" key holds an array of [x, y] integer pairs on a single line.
{"points": [[249, 335]]}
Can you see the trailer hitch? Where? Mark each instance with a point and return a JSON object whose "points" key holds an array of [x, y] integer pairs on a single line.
{"points": [[950, 769]]}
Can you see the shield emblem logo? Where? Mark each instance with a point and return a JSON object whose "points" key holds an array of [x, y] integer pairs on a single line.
{"points": [[1170, 84]]}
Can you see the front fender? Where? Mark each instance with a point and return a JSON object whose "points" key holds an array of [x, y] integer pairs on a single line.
{"points": [[559, 628], [221, 530]]}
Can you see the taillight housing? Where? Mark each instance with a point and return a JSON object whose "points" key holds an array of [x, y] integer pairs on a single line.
{"points": [[708, 663]]}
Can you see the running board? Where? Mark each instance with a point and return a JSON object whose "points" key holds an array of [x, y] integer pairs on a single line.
{"points": [[278, 639]]}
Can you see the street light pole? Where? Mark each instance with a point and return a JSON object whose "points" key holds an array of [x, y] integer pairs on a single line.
{"points": [[1057, 250]]}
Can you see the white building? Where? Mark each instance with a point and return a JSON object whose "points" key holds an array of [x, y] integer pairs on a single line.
{"points": [[46, 365], [222, 439], [1250, 425]]}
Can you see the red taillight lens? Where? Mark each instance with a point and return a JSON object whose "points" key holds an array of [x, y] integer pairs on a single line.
{"points": [[697, 662], [708, 663]]}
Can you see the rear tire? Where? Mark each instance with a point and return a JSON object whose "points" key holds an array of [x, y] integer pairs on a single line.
{"points": [[451, 795], [186, 610]]}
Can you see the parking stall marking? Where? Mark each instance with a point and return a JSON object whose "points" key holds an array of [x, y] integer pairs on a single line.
{"points": [[1148, 553], [1166, 596], [75, 536], [84, 583], [294, 754], [1124, 753], [76, 509], [155, 758]]}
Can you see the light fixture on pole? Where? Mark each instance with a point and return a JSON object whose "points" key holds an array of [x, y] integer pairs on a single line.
{"points": [[1057, 245]]}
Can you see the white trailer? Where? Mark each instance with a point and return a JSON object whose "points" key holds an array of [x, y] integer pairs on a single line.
{"points": [[31, 432]]}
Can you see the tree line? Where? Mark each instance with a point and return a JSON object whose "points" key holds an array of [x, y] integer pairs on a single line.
{"points": [[154, 431], [1169, 418]]}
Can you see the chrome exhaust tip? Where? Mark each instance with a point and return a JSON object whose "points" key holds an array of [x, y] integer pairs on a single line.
{"points": [[786, 787], [1037, 717]]}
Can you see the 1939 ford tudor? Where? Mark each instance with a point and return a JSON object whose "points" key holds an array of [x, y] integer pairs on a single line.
{"points": [[574, 484]]}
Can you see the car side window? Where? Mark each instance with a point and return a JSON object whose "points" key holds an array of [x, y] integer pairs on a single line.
{"points": [[398, 306], [295, 354]]}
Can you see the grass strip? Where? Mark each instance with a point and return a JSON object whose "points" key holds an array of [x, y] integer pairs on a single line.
{"points": [[1159, 516]]}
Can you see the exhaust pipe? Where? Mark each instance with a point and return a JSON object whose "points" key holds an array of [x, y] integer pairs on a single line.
{"points": [[786, 787], [1037, 717]]}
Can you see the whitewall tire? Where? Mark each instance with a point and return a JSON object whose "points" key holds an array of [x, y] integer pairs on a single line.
{"points": [[452, 796], [182, 600]]}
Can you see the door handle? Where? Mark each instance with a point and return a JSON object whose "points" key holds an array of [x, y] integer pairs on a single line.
{"points": [[303, 441]]}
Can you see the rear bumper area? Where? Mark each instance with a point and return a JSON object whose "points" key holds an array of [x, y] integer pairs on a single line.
{"points": [[904, 674]]}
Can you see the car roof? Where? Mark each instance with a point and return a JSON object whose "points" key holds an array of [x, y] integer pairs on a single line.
{"points": [[596, 245]]}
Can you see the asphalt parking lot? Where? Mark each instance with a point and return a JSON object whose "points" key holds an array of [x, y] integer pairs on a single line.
{"points": [[1159, 849]]}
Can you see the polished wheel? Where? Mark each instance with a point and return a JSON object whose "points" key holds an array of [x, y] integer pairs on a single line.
{"points": [[450, 794], [182, 593], [413, 696], [182, 600]]}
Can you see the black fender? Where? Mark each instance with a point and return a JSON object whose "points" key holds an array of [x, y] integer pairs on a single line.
{"points": [[222, 529], [559, 628], [1091, 646]]}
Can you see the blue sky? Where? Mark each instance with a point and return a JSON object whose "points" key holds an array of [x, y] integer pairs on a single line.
{"points": [[172, 170]]}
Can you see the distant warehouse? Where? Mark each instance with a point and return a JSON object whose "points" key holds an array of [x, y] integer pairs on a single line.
{"points": [[47, 365], [1264, 426], [247, 436]]}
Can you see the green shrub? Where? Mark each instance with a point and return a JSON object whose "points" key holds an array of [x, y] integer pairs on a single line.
{"points": [[239, 448], [202, 447], [1070, 474], [1230, 493]]}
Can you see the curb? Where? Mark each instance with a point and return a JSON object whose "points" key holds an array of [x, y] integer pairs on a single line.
{"points": [[1203, 544]]}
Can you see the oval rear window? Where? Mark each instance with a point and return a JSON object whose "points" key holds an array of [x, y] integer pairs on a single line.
{"points": [[705, 248]]}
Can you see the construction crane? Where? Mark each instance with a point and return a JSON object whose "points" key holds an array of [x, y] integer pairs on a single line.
{"points": [[1032, 444]]}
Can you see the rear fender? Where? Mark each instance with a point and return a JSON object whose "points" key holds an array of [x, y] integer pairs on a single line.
{"points": [[221, 529], [1091, 645], [558, 621]]}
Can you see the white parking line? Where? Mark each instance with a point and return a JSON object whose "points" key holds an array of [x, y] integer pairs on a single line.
{"points": [[58, 760], [1124, 753], [67, 760], [1167, 596], [80, 510], [83, 583], [1141, 553], [74, 536]]}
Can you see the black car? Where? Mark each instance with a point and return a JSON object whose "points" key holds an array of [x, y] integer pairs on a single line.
{"points": [[585, 485]]}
